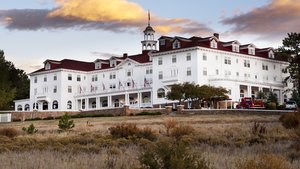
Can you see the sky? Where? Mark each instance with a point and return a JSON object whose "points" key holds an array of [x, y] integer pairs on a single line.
{"points": [[32, 31]]}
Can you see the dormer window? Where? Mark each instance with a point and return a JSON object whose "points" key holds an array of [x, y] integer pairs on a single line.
{"points": [[271, 54], [98, 65], [48, 66], [162, 42], [251, 51], [113, 63], [213, 44], [235, 48], [176, 44]]}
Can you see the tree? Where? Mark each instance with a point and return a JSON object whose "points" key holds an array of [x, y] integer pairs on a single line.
{"points": [[176, 93], [14, 83], [291, 51], [196, 93], [65, 123]]}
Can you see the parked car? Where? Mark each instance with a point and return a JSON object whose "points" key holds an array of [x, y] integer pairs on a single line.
{"points": [[291, 105]]}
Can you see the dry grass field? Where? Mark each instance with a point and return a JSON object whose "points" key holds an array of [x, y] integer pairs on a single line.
{"points": [[226, 141]]}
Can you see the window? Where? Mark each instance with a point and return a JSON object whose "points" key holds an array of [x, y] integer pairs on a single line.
{"points": [[204, 71], [20, 108], [112, 86], [69, 105], [69, 89], [94, 78], [174, 72], [48, 66], [251, 51], [45, 78], [235, 48], [55, 77], [112, 75], [204, 57], [129, 73], [213, 44], [237, 73], [113, 63], [162, 42], [160, 75], [275, 78], [174, 59], [237, 60], [35, 79], [271, 54], [188, 56], [55, 104], [274, 67], [255, 76], [227, 73], [217, 71], [93, 104], [78, 78], [247, 75], [160, 61], [27, 107], [188, 71], [176, 44], [149, 70], [247, 63], [160, 93], [242, 94], [55, 89], [69, 76], [265, 67], [227, 60]]}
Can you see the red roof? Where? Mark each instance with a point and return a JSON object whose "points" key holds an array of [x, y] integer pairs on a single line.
{"points": [[205, 42], [90, 66]]}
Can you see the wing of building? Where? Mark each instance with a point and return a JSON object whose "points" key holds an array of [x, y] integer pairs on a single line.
{"points": [[143, 80]]}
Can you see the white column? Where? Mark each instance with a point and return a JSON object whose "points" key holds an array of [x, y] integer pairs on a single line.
{"points": [[249, 91], [109, 101], [97, 102], [140, 99], [86, 104], [126, 99]]}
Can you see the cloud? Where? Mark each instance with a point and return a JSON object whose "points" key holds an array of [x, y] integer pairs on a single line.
{"points": [[273, 20], [112, 15]]}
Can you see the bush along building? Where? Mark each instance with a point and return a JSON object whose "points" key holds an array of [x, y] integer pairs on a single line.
{"points": [[143, 80]]}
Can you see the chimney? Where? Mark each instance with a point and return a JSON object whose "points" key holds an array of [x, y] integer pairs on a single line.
{"points": [[216, 35], [125, 55]]}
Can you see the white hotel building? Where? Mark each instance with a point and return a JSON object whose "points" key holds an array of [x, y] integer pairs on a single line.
{"points": [[143, 80]]}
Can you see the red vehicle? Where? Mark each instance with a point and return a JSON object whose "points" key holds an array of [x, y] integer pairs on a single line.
{"points": [[251, 103]]}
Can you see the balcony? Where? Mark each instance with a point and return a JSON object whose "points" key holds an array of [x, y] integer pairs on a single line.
{"points": [[170, 80], [245, 80]]}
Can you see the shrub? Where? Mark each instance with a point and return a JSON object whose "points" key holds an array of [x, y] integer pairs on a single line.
{"points": [[148, 134], [124, 130], [30, 129], [290, 120], [263, 161], [144, 113], [8, 132], [169, 124], [182, 130], [271, 106], [258, 129], [65, 123], [131, 130], [170, 154]]}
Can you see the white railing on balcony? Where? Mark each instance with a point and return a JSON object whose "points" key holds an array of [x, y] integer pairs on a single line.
{"points": [[245, 79]]}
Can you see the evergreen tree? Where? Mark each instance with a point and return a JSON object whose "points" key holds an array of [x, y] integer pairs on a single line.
{"points": [[14, 83], [291, 51]]}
